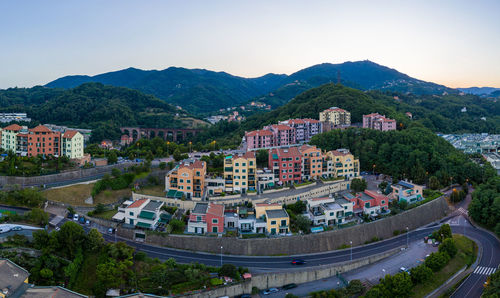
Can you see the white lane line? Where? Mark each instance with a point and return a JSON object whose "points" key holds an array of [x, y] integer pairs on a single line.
{"points": [[489, 271], [475, 270], [478, 269], [482, 270]]}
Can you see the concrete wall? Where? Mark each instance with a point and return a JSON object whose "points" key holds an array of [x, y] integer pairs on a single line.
{"points": [[61, 177], [311, 243], [298, 276]]}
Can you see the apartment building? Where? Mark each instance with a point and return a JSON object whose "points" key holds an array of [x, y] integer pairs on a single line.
{"points": [[43, 141], [283, 135], [9, 137], [335, 115], [240, 172], [244, 221], [72, 144], [378, 122], [328, 211], [406, 191], [276, 218], [286, 164], [312, 162], [258, 139], [343, 163], [206, 218], [305, 129], [187, 180], [143, 213]]}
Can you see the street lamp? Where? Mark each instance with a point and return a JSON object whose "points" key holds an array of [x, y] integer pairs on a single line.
{"points": [[221, 256], [190, 146], [351, 249], [407, 237]]}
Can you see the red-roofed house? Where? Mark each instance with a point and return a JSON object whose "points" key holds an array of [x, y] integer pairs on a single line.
{"points": [[283, 135], [368, 202], [378, 122], [206, 218], [9, 139], [188, 179], [335, 115], [72, 144]]}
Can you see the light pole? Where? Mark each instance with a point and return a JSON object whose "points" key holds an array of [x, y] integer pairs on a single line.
{"points": [[407, 237], [221, 256], [351, 249]]}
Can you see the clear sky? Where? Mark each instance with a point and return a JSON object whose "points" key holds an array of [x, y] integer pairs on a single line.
{"points": [[455, 43]]}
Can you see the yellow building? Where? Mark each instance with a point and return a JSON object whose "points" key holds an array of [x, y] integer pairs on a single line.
{"points": [[240, 172], [9, 137], [72, 144], [343, 163], [335, 115], [277, 219], [312, 161], [187, 180]]}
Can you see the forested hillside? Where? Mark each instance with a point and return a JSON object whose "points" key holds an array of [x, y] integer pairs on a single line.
{"points": [[93, 105]]}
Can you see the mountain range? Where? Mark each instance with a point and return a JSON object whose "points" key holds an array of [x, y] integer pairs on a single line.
{"points": [[480, 90], [203, 91]]}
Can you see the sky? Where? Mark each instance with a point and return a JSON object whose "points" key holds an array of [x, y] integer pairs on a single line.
{"points": [[454, 43]]}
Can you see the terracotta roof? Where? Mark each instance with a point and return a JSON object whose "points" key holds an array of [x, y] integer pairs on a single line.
{"points": [[13, 127], [286, 152], [261, 132], [266, 204], [137, 203], [40, 128], [197, 164], [374, 194], [310, 120], [216, 209], [22, 135], [248, 154], [281, 127], [335, 110], [69, 134]]}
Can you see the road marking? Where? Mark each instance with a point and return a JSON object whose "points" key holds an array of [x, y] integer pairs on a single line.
{"points": [[463, 211], [485, 270]]}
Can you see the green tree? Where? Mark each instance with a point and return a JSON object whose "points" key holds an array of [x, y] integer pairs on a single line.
{"points": [[262, 158], [355, 287], [421, 274], [38, 216], [492, 289], [177, 155], [112, 157], [358, 184], [116, 172], [177, 225], [228, 270], [46, 273], [71, 237], [448, 246], [303, 223], [162, 165], [437, 260], [95, 241], [434, 183]]}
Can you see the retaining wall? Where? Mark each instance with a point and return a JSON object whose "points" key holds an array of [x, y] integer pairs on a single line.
{"points": [[311, 243], [268, 280]]}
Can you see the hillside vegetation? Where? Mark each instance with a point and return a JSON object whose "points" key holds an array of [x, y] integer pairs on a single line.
{"points": [[93, 105]]}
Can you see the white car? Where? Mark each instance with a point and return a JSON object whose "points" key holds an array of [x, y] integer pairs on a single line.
{"points": [[270, 291], [75, 217]]}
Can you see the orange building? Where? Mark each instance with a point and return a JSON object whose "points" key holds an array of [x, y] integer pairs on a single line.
{"points": [[312, 162], [187, 179], [44, 141]]}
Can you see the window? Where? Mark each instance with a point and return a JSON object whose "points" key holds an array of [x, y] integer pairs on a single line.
{"points": [[383, 202], [250, 163], [197, 173], [198, 218], [367, 205], [244, 171], [273, 222], [244, 164], [181, 180], [188, 181], [290, 165], [284, 177], [214, 230], [215, 221], [332, 213], [236, 183], [283, 222], [131, 213], [284, 165], [243, 183], [188, 187], [237, 164]]}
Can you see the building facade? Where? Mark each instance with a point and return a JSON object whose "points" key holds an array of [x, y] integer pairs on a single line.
{"points": [[206, 218], [187, 179], [276, 218], [43, 141], [283, 135], [343, 163], [240, 172], [9, 137], [378, 122], [406, 191], [286, 164], [335, 115], [305, 129], [258, 139], [312, 162], [72, 144]]}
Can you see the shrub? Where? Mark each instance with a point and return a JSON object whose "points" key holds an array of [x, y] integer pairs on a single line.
{"points": [[437, 260], [421, 274], [216, 281], [449, 247]]}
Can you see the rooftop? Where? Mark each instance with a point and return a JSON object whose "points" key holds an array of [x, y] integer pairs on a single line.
{"points": [[137, 203], [405, 184], [332, 206], [262, 132], [50, 292], [13, 127], [278, 213], [200, 208], [40, 128], [12, 276], [69, 134], [216, 209], [152, 206]]}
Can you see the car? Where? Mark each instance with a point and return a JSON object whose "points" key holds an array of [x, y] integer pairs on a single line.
{"points": [[270, 291], [403, 269], [298, 262], [110, 231], [58, 228], [75, 217], [16, 228], [244, 296], [4, 229], [289, 286], [87, 222]]}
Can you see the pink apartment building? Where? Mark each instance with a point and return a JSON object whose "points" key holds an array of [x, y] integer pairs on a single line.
{"points": [[378, 122], [259, 139], [283, 135], [305, 129]]}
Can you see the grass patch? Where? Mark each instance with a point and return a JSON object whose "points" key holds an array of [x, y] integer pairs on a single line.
{"points": [[106, 214], [467, 252], [157, 190], [76, 195]]}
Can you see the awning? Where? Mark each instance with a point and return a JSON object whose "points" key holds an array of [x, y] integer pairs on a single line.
{"points": [[147, 215], [119, 216], [174, 194], [143, 225]]}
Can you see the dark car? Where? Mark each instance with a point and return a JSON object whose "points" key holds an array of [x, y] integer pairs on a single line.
{"points": [[298, 262], [289, 286], [244, 296]]}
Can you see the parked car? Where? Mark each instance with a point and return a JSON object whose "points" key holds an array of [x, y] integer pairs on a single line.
{"points": [[75, 217], [87, 222], [298, 262], [244, 296], [110, 231], [270, 291], [289, 286], [403, 269], [16, 228]]}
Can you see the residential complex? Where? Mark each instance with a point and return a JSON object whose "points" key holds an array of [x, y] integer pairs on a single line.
{"points": [[312, 162], [305, 129], [378, 122], [41, 140], [286, 164], [474, 143], [9, 117], [406, 191], [329, 211], [206, 218], [276, 218], [368, 202], [285, 134], [240, 172], [340, 163], [187, 180], [336, 116], [143, 213]]}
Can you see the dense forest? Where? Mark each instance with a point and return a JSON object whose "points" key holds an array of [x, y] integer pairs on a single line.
{"points": [[414, 153], [101, 108]]}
